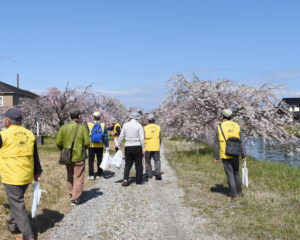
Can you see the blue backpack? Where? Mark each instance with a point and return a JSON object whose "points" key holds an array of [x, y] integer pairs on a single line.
{"points": [[97, 134]]}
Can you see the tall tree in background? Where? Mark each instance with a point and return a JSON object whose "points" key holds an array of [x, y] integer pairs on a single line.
{"points": [[52, 109], [193, 108]]}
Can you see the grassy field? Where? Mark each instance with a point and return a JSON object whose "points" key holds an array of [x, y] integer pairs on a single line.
{"points": [[54, 204], [270, 208], [294, 130]]}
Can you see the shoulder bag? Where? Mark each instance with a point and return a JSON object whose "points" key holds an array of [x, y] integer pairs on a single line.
{"points": [[66, 153], [233, 145]]}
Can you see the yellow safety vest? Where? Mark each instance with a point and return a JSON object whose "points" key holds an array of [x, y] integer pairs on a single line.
{"points": [[152, 137], [230, 129], [90, 126], [115, 128], [16, 155]]}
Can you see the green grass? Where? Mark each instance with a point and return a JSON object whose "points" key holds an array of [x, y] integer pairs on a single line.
{"points": [[270, 208], [294, 130]]}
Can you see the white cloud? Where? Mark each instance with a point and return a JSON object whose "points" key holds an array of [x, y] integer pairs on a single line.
{"points": [[39, 91], [125, 92], [282, 74]]}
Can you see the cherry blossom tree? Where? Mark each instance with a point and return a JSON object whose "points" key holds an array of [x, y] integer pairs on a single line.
{"points": [[193, 108], [111, 108], [52, 109]]}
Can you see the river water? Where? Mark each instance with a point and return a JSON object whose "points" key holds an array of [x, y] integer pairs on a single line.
{"points": [[287, 154]]}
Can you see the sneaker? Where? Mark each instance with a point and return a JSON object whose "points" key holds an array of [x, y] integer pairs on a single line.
{"points": [[75, 202], [19, 238], [158, 177], [90, 178], [147, 176], [232, 198], [125, 183]]}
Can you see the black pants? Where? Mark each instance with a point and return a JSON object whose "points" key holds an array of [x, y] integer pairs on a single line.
{"points": [[18, 215], [134, 154], [99, 153], [231, 167]]}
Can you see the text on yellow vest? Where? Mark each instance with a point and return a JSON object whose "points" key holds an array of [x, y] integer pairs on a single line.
{"points": [[152, 137], [16, 155], [230, 129]]}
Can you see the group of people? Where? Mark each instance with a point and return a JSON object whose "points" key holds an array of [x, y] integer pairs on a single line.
{"points": [[139, 141], [20, 164]]}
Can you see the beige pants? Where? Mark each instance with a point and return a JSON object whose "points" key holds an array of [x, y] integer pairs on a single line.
{"points": [[75, 179]]}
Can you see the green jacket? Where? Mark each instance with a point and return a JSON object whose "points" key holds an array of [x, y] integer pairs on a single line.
{"points": [[65, 136]]}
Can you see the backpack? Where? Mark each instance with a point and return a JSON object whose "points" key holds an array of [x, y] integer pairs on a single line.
{"points": [[97, 134]]}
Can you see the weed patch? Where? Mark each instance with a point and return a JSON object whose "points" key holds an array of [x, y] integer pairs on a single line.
{"points": [[270, 208]]}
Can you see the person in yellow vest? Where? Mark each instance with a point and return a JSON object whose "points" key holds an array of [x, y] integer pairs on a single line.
{"points": [[152, 148], [230, 163], [19, 166], [96, 148], [116, 130]]}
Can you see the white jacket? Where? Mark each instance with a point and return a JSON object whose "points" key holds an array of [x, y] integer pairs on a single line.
{"points": [[133, 132]]}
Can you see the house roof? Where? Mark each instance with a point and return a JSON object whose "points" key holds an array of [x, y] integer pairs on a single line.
{"points": [[292, 101], [6, 88]]}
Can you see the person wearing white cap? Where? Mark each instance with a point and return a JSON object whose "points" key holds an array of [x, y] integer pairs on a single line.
{"points": [[133, 133], [99, 139], [152, 148], [224, 131]]}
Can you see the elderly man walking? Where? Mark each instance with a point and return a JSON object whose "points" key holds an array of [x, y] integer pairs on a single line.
{"points": [[75, 170], [152, 148], [225, 130], [133, 133], [19, 165]]}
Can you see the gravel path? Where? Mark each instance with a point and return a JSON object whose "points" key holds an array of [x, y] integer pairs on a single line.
{"points": [[152, 211]]}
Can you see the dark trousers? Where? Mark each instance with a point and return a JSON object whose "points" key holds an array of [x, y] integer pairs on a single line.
{"points": [[231, 167], [99, 154], [156, 157], [134, 154], [18, 215]]}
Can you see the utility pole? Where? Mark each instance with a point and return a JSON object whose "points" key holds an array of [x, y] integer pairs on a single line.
{"points": [[17, 80]]}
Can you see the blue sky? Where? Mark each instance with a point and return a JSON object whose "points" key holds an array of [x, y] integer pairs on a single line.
{"points": [[129, 49]]}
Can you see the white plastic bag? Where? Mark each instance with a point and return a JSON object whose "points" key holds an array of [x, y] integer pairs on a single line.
{"points": [[245, 179], [105, 161], [116, 160], [116, 141], [37, 192]]}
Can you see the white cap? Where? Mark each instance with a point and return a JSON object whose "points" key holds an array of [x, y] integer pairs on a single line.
{"points": [[96, 114], [227, 112], [135, 115], [150, 117]]}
